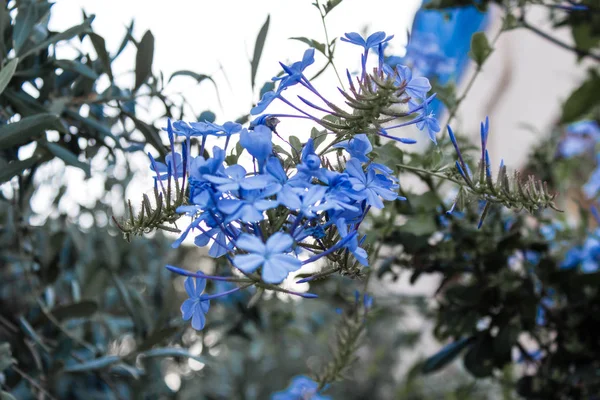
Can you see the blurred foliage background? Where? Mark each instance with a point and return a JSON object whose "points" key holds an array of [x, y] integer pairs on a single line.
{"points": [[86, 315]]}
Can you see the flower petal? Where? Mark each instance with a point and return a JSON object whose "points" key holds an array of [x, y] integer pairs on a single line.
{"points": [[198, 319], [250, 243], [187, 309], [248, 262], [279, 243]]}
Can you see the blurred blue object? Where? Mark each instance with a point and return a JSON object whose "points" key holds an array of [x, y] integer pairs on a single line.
{"points": [[439, 44]]}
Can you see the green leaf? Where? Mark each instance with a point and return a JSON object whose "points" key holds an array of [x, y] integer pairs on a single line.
{"points": [[6, 359], [78, 67], [7, 72], [312, 43], [445, 356], [68, 157], [480, 48], [198, 77], [94, 365], [158, 336], [479, 360], [143, 59], [100, 47], [82, 309], [66, 35], [173, 352], [258, 49], [16, 167], [330, 5], [208, 116], [6, 396], [267, 87], [26, 18], [582, 100], [28, 129], [150, 133]]}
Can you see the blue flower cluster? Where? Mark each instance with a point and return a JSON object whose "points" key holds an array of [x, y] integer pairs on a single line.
{"points": [[301, 388], [275, 211], [581, 139]]}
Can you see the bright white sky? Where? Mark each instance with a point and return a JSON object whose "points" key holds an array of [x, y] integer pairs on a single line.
{"points": [[204, 35]]}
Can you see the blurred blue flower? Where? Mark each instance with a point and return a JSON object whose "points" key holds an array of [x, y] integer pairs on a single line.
{"points": [[586, 256], [196, 306], [301, 388], [271, 256]]}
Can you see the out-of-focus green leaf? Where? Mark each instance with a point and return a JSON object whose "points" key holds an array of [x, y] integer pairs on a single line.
{"points": [[28, 129], [100, 47], [479, 360], [7, 72], [16, 167], [126, 39], [32, 334], [480, 48], [143, 60], [582, 100], [150, 133], [68, 157], [312, 43], [198, 77], [158, 336], [93, 365], [78, 67], [207, 116], [66, 35], [6, 359], [81, 309], [258, 49], [6, 396], [445, 356], [330, 5]]}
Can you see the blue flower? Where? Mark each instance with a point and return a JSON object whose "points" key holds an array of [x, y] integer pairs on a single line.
{"points": [[250, 207], [374, 40], [592, 187], [196, 306], [431, 123], [358, 147], [415, 87], [370, 185], [301, 388], [173, 166], [587, 256], [294, 71], [305, 202], [276, 265], [581, 138], [265, 101], [258, 142], [235, 178], [352, 245]]}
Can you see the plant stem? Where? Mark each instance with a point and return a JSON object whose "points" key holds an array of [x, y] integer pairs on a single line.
{"points": [[580, 52]]}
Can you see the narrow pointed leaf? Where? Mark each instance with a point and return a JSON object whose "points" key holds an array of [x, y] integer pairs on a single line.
{"points": [[68, 157], [143, 60], [28, 129], [446, 355], [258, 49], [7, 72]]}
